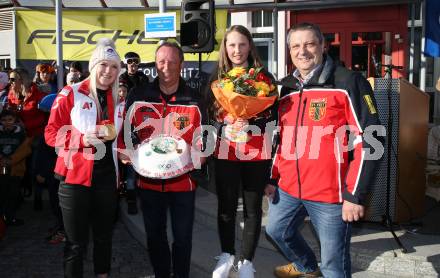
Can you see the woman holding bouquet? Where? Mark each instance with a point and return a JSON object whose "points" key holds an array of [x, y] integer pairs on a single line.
{"points": [[82, 127], [243, 148]]}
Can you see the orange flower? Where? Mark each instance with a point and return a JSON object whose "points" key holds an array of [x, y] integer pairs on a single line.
{"points": [[261, 94]]}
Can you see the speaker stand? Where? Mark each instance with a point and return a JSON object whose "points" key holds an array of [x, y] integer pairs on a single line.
{"points": [[387, 220]]}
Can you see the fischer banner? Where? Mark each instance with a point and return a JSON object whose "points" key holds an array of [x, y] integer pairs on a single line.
{"points": [[36, 33]]}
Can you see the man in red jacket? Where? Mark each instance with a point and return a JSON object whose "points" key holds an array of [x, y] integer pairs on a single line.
{"points": [[176, 109], [318, 171]]}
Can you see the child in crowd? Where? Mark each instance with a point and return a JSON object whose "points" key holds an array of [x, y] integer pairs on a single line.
{"points": [[123, 90], [14, 148], [130, 174]]}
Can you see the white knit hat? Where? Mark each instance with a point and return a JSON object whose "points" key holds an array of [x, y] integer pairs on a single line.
{"points": [[105, 50], [4, 80]]}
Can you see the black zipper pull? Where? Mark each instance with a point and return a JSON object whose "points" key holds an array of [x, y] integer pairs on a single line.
{"points": [[304, 110]]}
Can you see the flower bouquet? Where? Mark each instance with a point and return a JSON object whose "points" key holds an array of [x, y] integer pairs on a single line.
{"points": [[244, 93]]}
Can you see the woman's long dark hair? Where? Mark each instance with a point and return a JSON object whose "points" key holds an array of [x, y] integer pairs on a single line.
{"points": [[224, 65]]}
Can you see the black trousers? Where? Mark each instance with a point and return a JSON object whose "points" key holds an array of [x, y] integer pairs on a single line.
{"points": [[9, 193], [253, 176], [155, 206], [52, 185], [83, 207]]}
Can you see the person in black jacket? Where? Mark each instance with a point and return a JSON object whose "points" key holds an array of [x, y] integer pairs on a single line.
{"points": [[14, 148], [45, 178], [132, 78], [132, 75], [177, 110]]}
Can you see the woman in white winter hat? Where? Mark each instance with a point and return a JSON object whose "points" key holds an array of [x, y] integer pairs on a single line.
{"points": [[82, 127]]}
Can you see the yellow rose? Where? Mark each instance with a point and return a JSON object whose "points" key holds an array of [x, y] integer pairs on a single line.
{"points": [[228, 85], [261, 86], [236, 72]]}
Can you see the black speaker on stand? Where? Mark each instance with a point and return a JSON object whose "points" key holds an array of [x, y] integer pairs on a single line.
{"points": [[197, 26]]}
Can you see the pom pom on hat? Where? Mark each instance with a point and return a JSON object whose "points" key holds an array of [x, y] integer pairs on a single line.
{"points": [[105, 50]]}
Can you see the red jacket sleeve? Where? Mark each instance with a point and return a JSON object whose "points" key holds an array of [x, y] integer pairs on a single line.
{"points": [[59, 132]]}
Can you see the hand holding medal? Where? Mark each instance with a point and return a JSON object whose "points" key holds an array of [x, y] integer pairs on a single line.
{"points": [[106, 131]]}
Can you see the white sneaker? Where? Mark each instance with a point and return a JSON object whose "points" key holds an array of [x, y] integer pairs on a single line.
{"points": [[224, 265], [246, 269]]}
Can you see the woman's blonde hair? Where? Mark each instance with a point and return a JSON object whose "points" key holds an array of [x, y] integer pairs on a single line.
{"points": [[94, 93]]}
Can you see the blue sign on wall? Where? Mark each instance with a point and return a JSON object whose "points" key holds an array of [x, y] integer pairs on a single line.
{"points": [[160, 25]]}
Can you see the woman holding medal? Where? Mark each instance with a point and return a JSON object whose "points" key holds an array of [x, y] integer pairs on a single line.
{"points": [[242, 159], [82, 128]]}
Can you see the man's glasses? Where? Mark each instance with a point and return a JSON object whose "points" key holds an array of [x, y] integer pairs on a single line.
{"points": [[133, 61]]}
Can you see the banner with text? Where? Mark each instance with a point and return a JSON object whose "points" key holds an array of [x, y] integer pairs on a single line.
{"points": [[83, 28]]}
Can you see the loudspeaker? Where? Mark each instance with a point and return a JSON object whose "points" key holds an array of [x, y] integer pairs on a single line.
{"points": [[410, 115], [197, 26]]}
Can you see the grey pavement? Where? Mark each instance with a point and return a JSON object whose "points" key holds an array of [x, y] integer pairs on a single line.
{"points": [[24, 252], [373, 253]]}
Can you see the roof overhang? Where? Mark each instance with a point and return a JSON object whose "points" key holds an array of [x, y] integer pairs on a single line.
{"points": [[174, 4]]}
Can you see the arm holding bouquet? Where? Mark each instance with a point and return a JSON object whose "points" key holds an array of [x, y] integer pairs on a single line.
{"points": [[243, 94]]}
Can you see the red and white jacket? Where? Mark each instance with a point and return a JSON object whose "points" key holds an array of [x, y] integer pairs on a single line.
{"points": [[33, 119], [184, 105], [312, 161], [73, 113]]}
